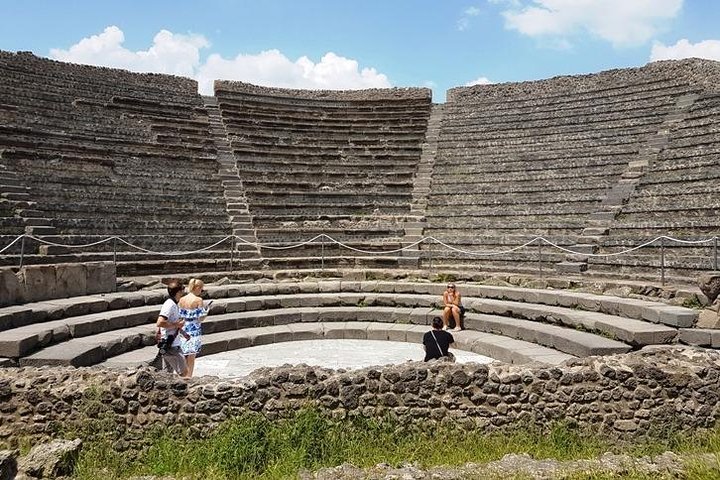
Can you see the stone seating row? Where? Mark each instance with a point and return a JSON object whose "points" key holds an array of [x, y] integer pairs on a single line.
{"points": [[238, 128], [509, 148], [345, 151], [498, 347], [231, 313], [475, 175], [537, 137], [502, 229], [653, 76], [252, 165], [553, 123], [567, 105], [285, 99], [88, 337], [398, 138], [426, 292], [62, 73], [551, 92], [479, 198], [312, 183], [324, 118], [93, 151]]}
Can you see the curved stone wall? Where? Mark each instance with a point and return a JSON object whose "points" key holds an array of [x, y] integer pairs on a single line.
{"points": [[619, 395]]}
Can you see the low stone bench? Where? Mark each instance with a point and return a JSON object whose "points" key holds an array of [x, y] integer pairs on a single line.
{"points": [[19, 342], [31, 326], [499, 348]]}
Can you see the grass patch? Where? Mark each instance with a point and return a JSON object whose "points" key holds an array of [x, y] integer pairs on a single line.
{"points": [[251, 446]]}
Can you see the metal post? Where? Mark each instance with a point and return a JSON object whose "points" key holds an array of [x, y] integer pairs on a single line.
{"points": [[232, 252], [115, 251], [540, 258], [322, 252], [662, 260], [22, 250], [715, 255]]}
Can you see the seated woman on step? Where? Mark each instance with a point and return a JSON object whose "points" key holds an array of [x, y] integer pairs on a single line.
{"points": [[193, 310], [452, 301]]}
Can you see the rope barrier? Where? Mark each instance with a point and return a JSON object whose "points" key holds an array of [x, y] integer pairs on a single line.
{"points": [[321, 236], [12, 243]]}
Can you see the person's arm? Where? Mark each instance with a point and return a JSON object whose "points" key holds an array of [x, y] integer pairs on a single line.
{"points": [[457, 299], [163, 322]]}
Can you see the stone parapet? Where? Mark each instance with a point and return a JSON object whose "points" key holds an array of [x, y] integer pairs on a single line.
{"points": [[45, 282]]}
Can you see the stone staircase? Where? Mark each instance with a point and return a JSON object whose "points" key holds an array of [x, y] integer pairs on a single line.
{"points": [[599, 222], [17, 207], [415, 225], [237, 205]]}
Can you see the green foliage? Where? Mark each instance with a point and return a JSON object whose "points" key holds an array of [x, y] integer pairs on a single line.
{"points": [[250, 446], [443, 277], [692, 302]]}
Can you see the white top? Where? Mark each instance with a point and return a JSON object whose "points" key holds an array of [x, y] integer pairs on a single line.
{"points": [[171, 311]]}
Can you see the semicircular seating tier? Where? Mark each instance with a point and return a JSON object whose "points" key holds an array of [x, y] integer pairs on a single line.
{"points": [[678, 195], [593, 163], [88, 152], [510, 324], [339, 163]]}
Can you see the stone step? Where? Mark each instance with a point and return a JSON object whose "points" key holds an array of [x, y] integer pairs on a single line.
{"points": [[498, 347], [40, 230], [29, 213], [587, 248], [15, 196], [595, 231], [571, 267], [604, 216], [7, 187], [21, 341]]}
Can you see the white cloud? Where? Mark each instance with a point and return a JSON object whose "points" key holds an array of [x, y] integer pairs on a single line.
{"points": [[709, 49], [180, 55], [479, 81], [464, 22], [620, 22], [272, 68], [170, 52]]}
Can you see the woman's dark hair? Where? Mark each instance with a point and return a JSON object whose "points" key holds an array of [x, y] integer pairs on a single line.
{"points": [[437, 322], [174, 287]]}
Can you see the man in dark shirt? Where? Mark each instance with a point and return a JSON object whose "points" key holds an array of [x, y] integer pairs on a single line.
{"points": [[437, 341]]}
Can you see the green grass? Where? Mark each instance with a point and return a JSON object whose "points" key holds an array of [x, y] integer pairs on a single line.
{"points": [[251, 446]]}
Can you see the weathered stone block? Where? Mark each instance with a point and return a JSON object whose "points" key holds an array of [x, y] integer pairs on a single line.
{"points": [[101, 277], [11, 289], [39, 282], [71, 280]]}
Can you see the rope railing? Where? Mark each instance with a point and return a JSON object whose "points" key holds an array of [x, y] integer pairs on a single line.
{"points": [[322, 238]]}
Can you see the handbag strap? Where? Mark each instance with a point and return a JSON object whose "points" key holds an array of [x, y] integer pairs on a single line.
{"points": [[436, 343]]}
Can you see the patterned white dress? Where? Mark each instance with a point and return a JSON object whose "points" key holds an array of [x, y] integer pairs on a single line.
{"points": [[192, 345]]}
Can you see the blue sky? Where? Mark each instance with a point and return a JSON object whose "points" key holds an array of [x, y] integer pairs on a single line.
{"points": [[362, 44]]}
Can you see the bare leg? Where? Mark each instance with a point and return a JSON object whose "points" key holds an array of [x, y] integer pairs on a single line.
{"points": [[456, 316], [190, 365], [446, 317]]}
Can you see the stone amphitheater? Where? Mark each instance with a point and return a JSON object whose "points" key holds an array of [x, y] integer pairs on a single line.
{"points": [[340, 215]]}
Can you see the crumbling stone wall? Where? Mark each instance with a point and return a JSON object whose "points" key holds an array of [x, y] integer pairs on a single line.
{"points": [[620, 395]]}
